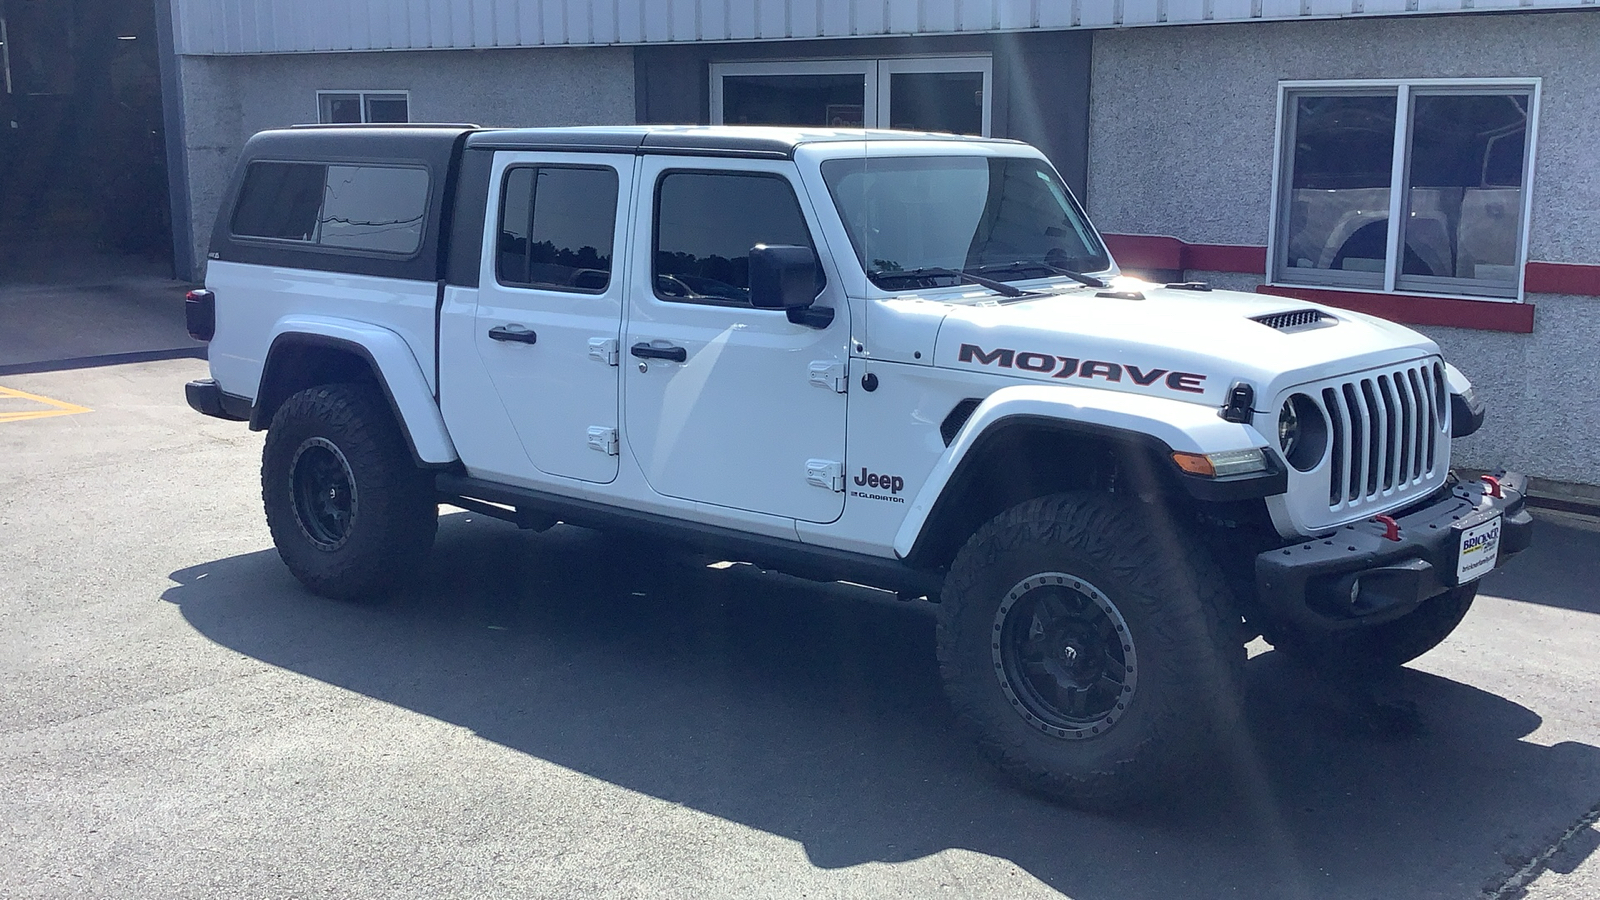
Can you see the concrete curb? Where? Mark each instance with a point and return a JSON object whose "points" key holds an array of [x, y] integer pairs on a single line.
{"points": [[1544, 493]]}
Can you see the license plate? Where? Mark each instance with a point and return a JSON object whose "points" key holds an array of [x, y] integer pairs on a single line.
{"points": [[1480, 549]]}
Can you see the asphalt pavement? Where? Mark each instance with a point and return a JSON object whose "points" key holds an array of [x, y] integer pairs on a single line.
{"points": [[575, 714], [68, 305]]}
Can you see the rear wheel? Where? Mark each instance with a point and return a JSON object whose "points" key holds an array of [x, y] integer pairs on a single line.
{"points": [[349, 511], [1093, 654], [1378, 648]]}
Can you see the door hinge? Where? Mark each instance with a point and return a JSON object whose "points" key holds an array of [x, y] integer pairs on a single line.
{"points": [[825, 473], [603, 439], [828, 373], [603, 350]]}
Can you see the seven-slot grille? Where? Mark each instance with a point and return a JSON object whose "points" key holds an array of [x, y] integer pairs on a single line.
{"points": [[1387, 430]]}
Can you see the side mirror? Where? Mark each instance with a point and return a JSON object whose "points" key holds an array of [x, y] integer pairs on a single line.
{"points": [[782, 276]]}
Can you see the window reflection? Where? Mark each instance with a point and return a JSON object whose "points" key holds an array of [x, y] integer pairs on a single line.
{"points": [[1339, 193], [706, 224], [556, 227], [1464, 205]]}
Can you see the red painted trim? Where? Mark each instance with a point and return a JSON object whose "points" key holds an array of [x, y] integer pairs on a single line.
{"points": [[1225, 258], [1485, 315], [1146, 251], [1562, 278], [1152, 251]]}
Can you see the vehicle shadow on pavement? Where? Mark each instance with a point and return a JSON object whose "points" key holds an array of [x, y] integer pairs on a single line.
{"points": [[814, 712]]}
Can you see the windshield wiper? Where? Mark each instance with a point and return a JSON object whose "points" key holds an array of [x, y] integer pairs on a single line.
{"points": [[1023, 265], [999, 287]]}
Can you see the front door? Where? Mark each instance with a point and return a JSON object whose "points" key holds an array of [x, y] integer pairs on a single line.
{"points": [[727, 404], [549, 321]]}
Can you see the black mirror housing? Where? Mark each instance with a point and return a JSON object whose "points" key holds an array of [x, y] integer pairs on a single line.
{"points": [[783, 276]]}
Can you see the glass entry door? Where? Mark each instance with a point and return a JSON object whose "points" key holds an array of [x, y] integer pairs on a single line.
{"points": [[949, 95], [945, 94], [823, 94]]}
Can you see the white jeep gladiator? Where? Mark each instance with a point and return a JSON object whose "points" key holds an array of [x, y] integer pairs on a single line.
{"points": [[905, 360]]}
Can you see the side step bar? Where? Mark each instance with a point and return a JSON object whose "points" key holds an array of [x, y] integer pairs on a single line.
{"points": [[538, 510]]}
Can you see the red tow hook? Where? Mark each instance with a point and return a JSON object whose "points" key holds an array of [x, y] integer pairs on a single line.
{"points": [[1494, 485], [1391, 528]]}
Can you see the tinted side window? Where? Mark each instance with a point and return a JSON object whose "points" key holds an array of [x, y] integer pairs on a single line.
{"points": [[556, 228], [374, 208], [280, 200], [377, 208], [706, 223]]}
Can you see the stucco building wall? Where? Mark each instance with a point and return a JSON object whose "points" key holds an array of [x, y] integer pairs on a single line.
{"points": [[1182, 119], [1181, 135], [229, 98]]}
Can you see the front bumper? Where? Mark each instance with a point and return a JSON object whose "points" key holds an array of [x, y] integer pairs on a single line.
{"points": [[1360, 575]]}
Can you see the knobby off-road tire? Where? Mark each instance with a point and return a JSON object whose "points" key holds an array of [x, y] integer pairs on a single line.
{"points": [[1098, 598], [349, 511], [1379, 648]]}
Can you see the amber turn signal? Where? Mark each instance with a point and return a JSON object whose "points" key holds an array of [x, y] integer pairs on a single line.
{"points": [[1194, 463]]}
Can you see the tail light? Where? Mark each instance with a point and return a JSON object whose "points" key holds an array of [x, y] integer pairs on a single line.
{"points": [[200, 314]]}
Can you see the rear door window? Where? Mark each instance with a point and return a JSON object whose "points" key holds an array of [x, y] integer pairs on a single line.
{"points": [[556, 226], [379, 209]]}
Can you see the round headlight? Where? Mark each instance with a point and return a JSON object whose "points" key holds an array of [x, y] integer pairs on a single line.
{"points": [[1302, 432], [1288, 427]]}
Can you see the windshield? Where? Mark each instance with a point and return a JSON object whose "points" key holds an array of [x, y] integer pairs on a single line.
{"points": [[919, 221]]}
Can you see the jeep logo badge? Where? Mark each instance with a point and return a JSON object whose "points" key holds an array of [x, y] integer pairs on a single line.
{"points": [[885, 487]]}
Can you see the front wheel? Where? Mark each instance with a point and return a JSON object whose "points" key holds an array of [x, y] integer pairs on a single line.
{"points": [[1091, 648], [349, 511]]}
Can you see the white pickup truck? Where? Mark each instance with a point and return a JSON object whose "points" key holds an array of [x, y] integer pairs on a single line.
{"points": [[905, 360]]}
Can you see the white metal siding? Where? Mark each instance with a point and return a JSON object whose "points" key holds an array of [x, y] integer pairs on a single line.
{"points": [[204, 27]]}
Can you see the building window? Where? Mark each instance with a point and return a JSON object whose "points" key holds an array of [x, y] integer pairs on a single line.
{"points": [[1405, 186], [946, 94], [357, 107]]}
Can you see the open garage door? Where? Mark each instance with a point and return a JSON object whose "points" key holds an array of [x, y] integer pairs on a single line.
{"points": [[82, 154]]}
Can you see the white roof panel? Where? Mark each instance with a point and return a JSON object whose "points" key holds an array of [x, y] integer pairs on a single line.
{"points": [[207, 27]]}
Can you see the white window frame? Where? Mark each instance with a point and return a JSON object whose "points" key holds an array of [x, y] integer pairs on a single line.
{"points": [[875, 74], [5, 52], [361, 96], [1404, 90]]}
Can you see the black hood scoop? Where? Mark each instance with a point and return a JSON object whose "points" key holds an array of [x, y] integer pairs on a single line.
{"points": [[1295, 319]]}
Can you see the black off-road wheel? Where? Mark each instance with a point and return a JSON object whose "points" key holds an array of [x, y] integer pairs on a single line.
{"points": [[1091, 648], [1379, 648], [349, 511]]}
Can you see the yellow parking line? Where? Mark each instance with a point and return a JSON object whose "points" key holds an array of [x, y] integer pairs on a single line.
{"points": [[55, 407]]}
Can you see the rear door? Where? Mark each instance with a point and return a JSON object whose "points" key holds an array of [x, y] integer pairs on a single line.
{"points": [[549, 311]]}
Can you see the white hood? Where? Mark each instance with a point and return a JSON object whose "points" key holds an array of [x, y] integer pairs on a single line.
{"points": [[1179, 344]]}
